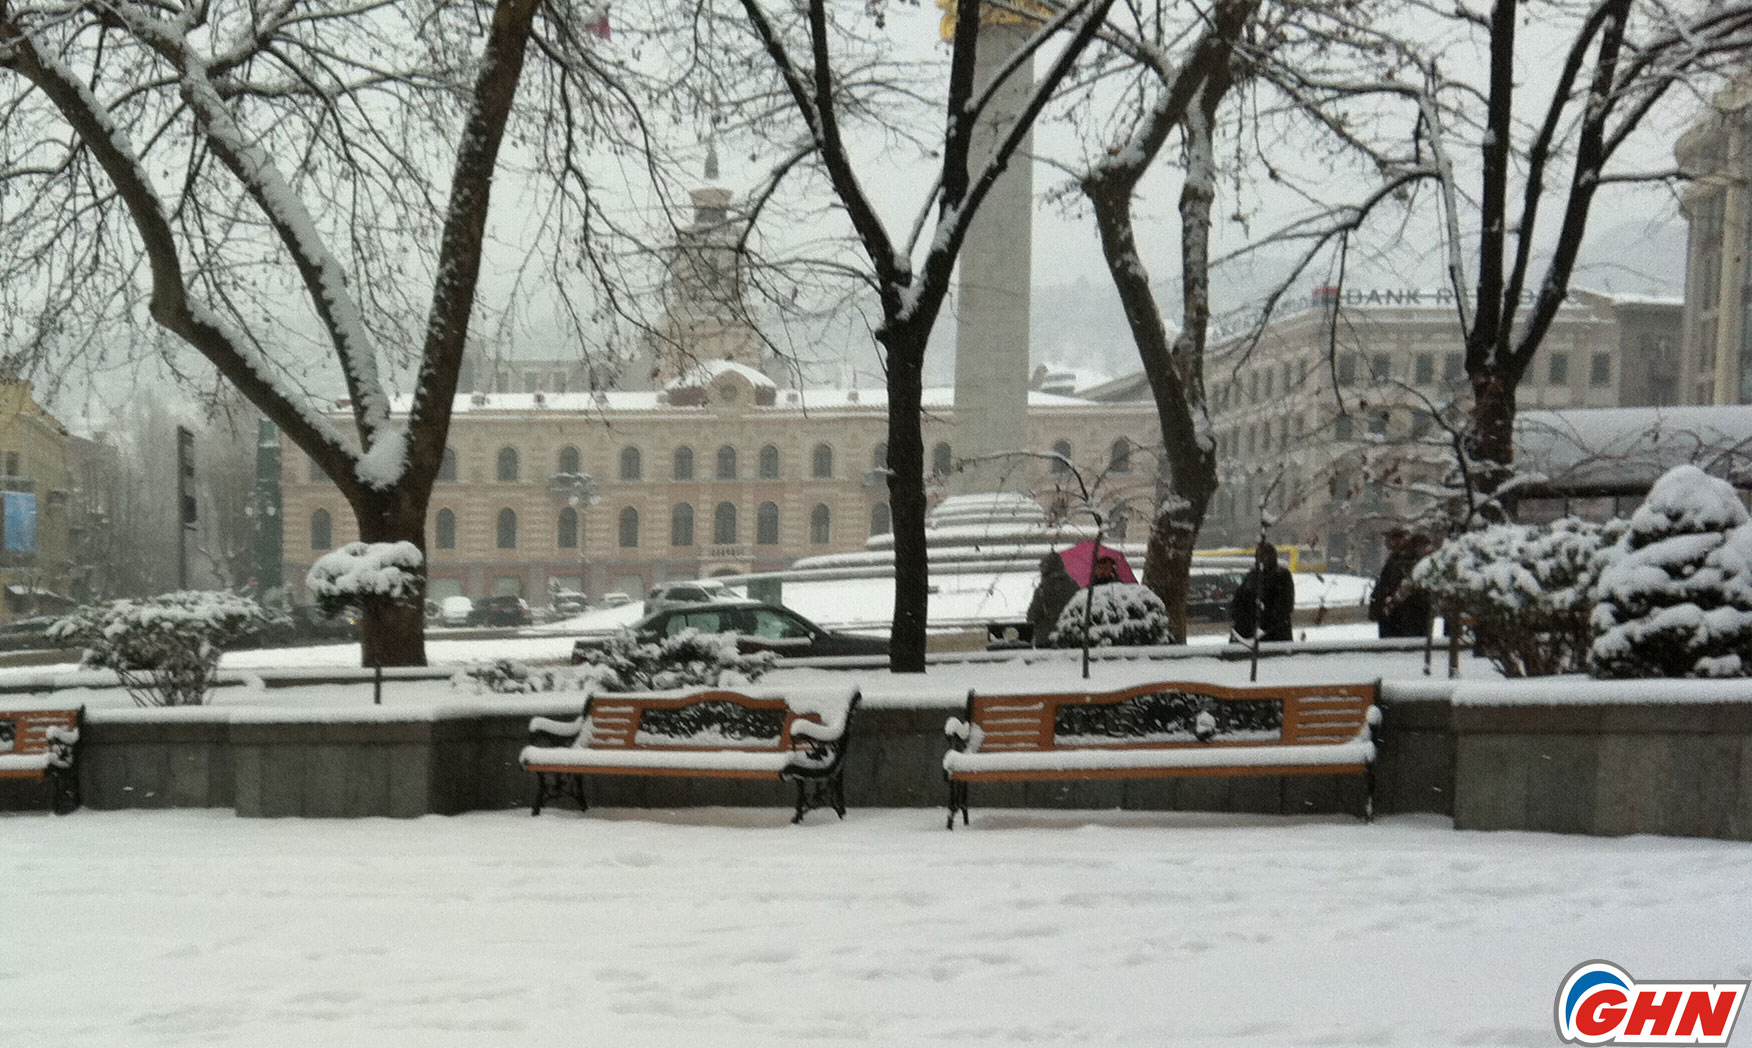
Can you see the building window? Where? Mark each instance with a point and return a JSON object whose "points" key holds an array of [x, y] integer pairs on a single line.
{"points": [[1453, 367], [881, 522], [632, 466], [879, 457], [726, 463], [684, 465], [821, 461], [569, 460], [724, 524], [321, 530], [507, 465], [1341, 427], [1119, 456], [507, 529], [1061, 450], [1381, 368], [1378, 423], [1600, 370], [446, 466], [766, 524], [1302, 374], [1252, 439], [566, 530], [1557, 369], [1421, 423], [1347, 369], [1268, 375], [1288, 384], [446, 529], [629, 528], [769, 462], [942, 460], [681, 525], [820, 525], [1424, 371]]}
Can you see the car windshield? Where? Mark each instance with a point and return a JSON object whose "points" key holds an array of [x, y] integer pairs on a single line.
{"points": [[704, 621]]}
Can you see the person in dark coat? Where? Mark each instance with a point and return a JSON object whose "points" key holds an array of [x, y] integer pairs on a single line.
{"points": [[1399, 608], [1278, 604], [1051, 594]]}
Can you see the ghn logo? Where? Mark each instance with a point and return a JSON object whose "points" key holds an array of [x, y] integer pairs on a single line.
{"points": [[1599, 1003]]}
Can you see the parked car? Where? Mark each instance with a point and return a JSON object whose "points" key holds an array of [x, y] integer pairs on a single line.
{"points": [[616, 600], [456, 611], [502, 611], [674, 594], [1208, 594], [566, 605], [757, 627]]}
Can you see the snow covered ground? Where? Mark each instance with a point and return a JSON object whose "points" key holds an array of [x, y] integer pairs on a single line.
{"points": [[727, 928]]}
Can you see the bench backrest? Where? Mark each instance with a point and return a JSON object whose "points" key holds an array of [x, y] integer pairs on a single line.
{"points": [[1176, 713], [718, 720], [26, 733]]}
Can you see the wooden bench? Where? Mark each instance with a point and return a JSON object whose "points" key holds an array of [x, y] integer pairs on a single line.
{"points": [[1161, 730], [39, 743], [708, 734]]}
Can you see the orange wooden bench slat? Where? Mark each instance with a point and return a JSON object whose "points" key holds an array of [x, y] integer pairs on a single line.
{"points": [[1054, 774]]}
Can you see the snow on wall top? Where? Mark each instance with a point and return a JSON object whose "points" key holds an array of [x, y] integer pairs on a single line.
{"points": [[937, 398], [704, 373]]}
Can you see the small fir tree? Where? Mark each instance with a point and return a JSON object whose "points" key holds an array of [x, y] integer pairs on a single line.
{"points": [[1123, 614]]}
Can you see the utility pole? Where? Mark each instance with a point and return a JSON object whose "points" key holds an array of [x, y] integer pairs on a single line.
{"points": [[185, 502]]}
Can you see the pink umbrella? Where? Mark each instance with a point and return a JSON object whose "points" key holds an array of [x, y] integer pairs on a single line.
{"points": [[1080, 560]]}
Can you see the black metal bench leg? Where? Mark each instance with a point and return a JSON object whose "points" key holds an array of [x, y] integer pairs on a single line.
{"points": [[64, 783], [802, 802], [839, 796], [957, 802], [1369, 794]]}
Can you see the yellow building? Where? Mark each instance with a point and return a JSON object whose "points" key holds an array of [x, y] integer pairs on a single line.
{"points": [[51, 509]]}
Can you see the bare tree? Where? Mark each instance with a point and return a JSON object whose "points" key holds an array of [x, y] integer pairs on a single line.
{"points": [[911, 295], [213, 162]]}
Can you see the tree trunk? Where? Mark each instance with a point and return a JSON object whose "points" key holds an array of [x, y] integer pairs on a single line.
{"points": [[393, 633], [906, 497], [1168, 559], [1492, 438]]}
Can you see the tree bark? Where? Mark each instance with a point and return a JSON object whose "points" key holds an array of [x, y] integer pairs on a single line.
{"points": [[393, 633], [906, 496]]}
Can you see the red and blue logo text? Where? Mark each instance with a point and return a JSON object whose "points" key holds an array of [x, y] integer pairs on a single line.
{"points": [[1599, 1003]]}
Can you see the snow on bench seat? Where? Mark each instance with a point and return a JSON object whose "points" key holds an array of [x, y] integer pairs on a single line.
{"points": [[794, 735], [1175, 728]]}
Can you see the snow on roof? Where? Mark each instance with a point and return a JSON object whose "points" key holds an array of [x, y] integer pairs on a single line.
{"points": [[1620, 298], [1632, 447], [935, 398], [707, 371]]}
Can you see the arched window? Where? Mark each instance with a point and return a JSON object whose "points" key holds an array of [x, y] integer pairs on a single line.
{"points": [[726, 463], [445, 529], [507, 529], [724, 524], [1119, 456], [681, 525], [942, 459], [566, 530], [1061, 464], [683, 463], [321, 530], [629, 527], [766, 524], [820, 525], [447, 466], [507, 465], [631, 466], [569, 460], [879, 456], [769, 463], [821, 461], [881, 522]]}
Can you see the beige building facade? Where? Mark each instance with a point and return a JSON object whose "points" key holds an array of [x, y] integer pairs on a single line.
{"points": [[726, 475], [1716, 152]]}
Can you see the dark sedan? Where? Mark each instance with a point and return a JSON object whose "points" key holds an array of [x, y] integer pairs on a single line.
{"points": [[501, 611], [757, 626]]}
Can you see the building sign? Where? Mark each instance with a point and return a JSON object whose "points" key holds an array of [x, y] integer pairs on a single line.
{"points": [[20, 521], [1328, 294]]}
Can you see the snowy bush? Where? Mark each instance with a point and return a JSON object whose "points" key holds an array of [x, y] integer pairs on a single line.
{"points": [[1676, 600], [364, 573], [1123, 614], [165, 649], [1528, 589], [511, 677], [686, 659]]}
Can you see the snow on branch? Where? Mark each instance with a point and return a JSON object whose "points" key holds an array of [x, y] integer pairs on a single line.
{"points": [[361, 571]]}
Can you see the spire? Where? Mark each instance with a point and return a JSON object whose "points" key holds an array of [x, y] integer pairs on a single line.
{"points": [[712, 157]]}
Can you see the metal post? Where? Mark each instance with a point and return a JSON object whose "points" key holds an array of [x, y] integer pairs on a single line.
{"points": [[377, 684], [185, 502]]}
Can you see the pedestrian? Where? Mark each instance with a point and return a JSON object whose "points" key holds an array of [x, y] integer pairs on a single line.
{"points": [[1054, 590], [1397, 605], [1268, 614]]}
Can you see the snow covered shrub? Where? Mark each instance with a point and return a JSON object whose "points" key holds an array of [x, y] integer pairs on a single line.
{"points": [[1123, 614], [510, 677], [686, 659], [1529, 590], [165, 649], [1676, 601], [364, 573]]}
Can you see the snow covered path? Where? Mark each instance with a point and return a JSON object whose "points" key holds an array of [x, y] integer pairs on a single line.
{"points": [[727, 928]]}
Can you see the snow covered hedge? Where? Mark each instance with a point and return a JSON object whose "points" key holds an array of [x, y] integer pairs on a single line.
{"points": [[1677, 598], [361, 573], [684, 660], [1529, 589], [1123, 614], [165, 649]]}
